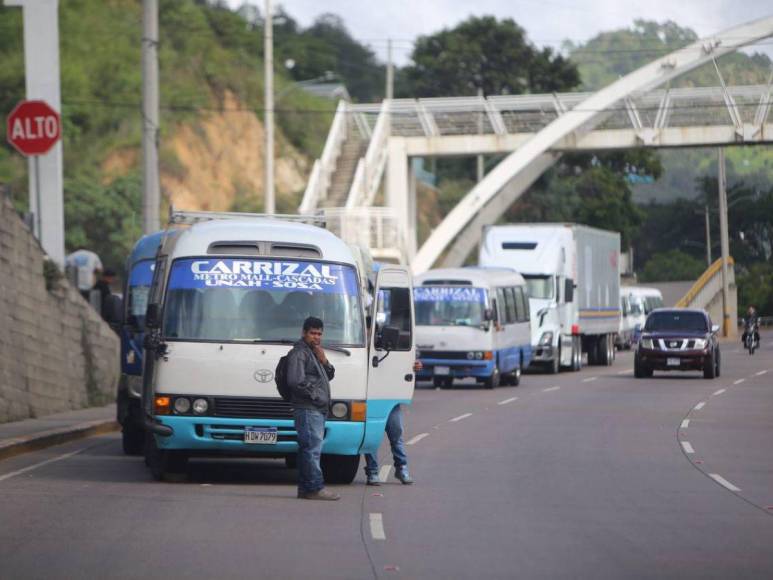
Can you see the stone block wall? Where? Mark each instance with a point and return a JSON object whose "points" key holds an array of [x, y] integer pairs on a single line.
{"points": [[56, 352]]}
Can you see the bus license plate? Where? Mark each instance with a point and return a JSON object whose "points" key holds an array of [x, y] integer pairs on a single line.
{"points": [[442, 371], [673, 362], [260, 435]]}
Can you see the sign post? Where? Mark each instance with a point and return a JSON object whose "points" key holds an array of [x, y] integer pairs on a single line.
{"points": [[33, 128]]}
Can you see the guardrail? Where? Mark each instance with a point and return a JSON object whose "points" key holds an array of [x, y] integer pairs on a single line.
{"points": [[322, 171]]}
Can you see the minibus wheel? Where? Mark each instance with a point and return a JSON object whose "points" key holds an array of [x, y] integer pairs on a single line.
{"points": [[132, 440], [442, 382], [166, 465], [492, 382], [339, 468]]}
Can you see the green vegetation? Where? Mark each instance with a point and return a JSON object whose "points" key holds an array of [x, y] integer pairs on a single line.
{"points": [[672, 266]]}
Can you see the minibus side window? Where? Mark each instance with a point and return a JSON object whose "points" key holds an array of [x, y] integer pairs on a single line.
{"points": [[502, 306], [394, 309], [522, 305], [510, 305]]}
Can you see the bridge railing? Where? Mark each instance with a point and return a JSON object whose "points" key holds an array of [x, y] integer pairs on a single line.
{"points": [[707, 286], [370, 168], [377, 228], [322, 171]]}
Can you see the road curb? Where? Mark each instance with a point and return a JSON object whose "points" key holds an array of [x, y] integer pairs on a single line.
{"points": [[27, 443]]}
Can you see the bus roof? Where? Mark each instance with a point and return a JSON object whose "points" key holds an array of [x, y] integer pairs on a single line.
{"points": [[145, 248], [197, 239], [478, 276]]}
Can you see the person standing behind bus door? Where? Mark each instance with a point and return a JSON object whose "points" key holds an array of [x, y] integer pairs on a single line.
{"points": [[394, 431], [87, 267], [308, 375]]}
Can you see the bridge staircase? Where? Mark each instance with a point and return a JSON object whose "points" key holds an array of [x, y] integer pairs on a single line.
{"points": [[706, 293]]}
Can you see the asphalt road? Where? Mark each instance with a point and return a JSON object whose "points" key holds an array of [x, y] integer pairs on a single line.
{"points": [[583, 475]]}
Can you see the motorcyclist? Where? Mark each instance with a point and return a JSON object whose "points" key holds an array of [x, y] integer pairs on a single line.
{"points": [[751, 321]]}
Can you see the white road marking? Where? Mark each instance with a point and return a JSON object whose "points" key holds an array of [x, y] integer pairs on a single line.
{"points": [[383, 473], [589, 379], [700, 406], [625, 372], [550, 389], [739, 381], [417, 438], [377, 526], [685, 423], [723, 482], [460, 417], [41, 464], [719, 392], [506, 401], [759, 374], [687, 447]]}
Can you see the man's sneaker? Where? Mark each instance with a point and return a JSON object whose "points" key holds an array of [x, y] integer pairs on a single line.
{"points": [[321, 495], [403, 476], [373, 479]]}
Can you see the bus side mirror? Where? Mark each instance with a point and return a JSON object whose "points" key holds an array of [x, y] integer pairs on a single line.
{"points": [[568, 290], [153, 316]]}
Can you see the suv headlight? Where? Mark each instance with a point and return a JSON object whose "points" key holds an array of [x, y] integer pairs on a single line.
{"points": [[647, 343], [546, 339], [700, 343]]}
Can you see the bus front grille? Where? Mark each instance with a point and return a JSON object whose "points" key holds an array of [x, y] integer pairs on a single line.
{"points": [[252, 408]]}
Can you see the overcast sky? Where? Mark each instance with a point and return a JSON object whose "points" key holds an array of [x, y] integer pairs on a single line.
{"points": [[547, 22]]}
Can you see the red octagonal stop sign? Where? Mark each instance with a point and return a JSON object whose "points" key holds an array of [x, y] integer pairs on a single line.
{"points": [[33, 127]]}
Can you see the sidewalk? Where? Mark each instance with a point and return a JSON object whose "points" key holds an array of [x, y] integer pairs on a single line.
{"points": [[31, 434]]}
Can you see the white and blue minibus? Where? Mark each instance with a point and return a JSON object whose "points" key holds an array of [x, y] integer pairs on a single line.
{"points": [[472, 322], [229, 296]]}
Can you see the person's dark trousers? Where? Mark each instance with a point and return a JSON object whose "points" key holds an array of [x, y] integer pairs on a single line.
{"points": [[394, 431], [310, 426]]}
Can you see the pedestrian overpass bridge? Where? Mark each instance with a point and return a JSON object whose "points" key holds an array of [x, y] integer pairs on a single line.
{"points": [[364, 183]]}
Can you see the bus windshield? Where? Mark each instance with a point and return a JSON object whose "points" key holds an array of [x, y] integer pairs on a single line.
{"points": [[539, 286], [247, 300], [449, 305], [138, 289]]}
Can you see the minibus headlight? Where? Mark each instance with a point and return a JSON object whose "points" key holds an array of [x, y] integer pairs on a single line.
{"points": [[200, 406], [339, 410], [546, 338], [470, 355], [182, 405]]}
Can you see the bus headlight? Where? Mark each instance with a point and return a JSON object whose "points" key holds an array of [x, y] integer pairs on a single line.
{"points": [[182, 405], [200, 406], [339, 410]]}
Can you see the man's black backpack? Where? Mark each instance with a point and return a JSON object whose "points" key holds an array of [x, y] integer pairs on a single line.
{"points": [[280, 377]]}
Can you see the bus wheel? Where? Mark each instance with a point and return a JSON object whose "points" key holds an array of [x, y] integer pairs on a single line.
{"points": [[132, 440], [339, 468], [166, 465], [291, 461], [492, 382], [443, 382]]}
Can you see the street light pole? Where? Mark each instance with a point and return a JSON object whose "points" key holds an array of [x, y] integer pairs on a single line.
{"points": [[268, 62], [150, 180], [724, 241], [708, 238]]}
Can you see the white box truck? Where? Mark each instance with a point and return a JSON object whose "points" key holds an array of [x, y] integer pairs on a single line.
{"points": [[573, 275]]}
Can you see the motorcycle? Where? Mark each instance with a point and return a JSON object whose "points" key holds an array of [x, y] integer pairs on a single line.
{"points": [[751, 340]]}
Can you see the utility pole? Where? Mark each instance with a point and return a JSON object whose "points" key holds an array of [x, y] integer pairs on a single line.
{"points": [[150, 179], [480, 167], [390, 72], [724, 240], [268, 63], [708, 238]]}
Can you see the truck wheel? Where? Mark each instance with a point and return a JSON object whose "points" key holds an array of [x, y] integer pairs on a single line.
{"points": [[132, 440], [640, 371], [339, 468], [710, 368], [555, 364], [576, 353], [492, 382]]}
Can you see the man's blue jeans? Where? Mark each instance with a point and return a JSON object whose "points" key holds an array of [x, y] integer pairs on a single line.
{"points": [[394, 431], [310, 426]]}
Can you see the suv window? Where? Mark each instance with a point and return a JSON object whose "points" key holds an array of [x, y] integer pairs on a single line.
{"points": [[676, 320]]}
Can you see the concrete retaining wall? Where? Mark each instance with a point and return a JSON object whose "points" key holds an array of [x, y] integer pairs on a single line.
{"points": [[56, 352]]}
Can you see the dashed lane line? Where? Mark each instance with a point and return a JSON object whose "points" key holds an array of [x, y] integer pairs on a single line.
{"points": [[589, 379], [417, 438], [687, 447], [377, 526], [625, 372], [685, 424], [551, 389], [41, 464], [699, 406], [723, 482], [759, 374], [719, 392], [460, 417], [739, 381], [383, 473], [506, 401]]}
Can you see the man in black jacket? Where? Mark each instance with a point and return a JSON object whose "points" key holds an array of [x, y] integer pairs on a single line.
{"points": [[308, 375]]}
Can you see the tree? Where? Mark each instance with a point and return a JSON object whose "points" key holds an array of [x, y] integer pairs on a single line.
{"points": [[672, 266], [485, 53]]}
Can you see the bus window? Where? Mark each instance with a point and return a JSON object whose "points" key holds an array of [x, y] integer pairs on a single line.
{"points": [[522, 305], [394, 308], [510, 305]]}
